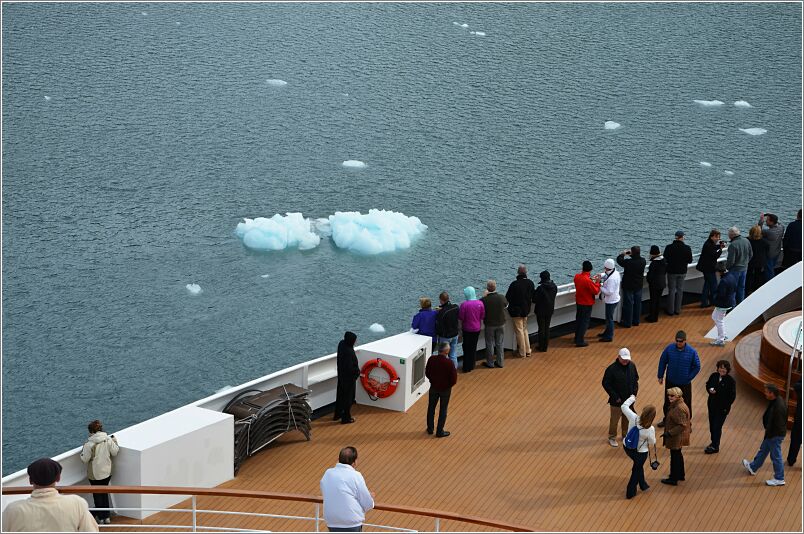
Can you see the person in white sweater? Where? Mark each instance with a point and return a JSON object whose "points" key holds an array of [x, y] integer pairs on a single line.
{"points": [[610, 293], [97, 454], [647, 437]]}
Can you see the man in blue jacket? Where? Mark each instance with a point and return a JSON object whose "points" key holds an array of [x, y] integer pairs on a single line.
{"points": [[681, 363]]}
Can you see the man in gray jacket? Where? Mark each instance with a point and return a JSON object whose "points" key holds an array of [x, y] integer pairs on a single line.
{"points": [[739, 254], [772, 234]]}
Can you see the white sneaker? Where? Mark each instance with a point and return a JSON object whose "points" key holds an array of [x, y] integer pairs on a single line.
{"points": [[717, 343], [747, 466], [774, 482], [613, 442]]}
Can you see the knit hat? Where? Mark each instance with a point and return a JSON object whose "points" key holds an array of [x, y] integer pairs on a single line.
{"points": [[654, 250], [544, 276], [44, 471], [624, 353], [609, 264], [469, 293]]}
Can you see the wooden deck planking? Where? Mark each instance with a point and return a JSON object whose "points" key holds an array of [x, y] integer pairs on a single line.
{"points": [[528, 445]]}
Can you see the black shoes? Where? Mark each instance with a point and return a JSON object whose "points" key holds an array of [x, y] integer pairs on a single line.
{"points": [[660, 424], [348, 421], [486, 364], [711, 450], [605, 340], [584, 344], [443, 434], [669, 482], [430, 431]]}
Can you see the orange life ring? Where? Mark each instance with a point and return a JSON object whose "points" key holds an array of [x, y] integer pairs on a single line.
{"points": [[379, 389]]}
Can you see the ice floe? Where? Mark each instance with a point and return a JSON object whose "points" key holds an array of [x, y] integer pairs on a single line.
{"points": [[264, 275], [276, 82], [742, 104], [194, 289], [708, 103], [754, 131], [377, 328], [728, 173], [611, 125], [356, 164], [376, 232], [705, 164], [479, 34], [278, 233]]}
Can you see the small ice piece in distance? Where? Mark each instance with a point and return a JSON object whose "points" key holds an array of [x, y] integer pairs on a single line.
{"points": [[742, 104], [144, 13], [705, 164], [611, 125], [754, 131], [276, 82], [377, 328], [709, 103], [353, 163], [728, 173], [194, 289], [479, 34], [264, 275], [464, 25]]}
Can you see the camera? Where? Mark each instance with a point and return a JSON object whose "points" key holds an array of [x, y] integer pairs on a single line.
{"points": [[655, 465]]}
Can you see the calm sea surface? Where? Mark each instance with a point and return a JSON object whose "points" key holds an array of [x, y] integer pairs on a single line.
{"points": [[160, 132]]}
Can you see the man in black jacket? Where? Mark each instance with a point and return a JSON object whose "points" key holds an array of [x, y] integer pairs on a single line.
{"points": [[348, 373], [677, 255], [520, 299], [633, 278], [620, 381], [544, 299], [775, 422], [447, 325], [656, 280]]}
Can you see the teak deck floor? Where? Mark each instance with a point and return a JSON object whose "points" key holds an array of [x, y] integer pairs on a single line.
{"points": [[529, 446]]}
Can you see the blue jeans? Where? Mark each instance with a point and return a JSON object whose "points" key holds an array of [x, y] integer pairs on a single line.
{"points": [[608, 333], [709, 289], [453, 342], [582, 316], [632, 307], [772, 446], [740, 286], [770, 267]]}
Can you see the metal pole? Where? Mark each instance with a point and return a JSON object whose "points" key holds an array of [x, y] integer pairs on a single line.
{"points": [[194, 516], [438, 524], [317, 517], [790, 366]]}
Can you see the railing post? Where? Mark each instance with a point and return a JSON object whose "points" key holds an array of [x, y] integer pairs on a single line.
{"points": [[194, 516], [438, 524], [317, 519]]}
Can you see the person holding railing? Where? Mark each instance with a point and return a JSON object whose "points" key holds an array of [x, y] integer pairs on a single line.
{"points": [[657, 278], [346, 496], [97, 453], [707, 264], [678, 256], [737, 258]]}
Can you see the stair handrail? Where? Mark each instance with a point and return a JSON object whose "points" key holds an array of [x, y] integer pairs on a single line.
{"points": [[792, 359]]}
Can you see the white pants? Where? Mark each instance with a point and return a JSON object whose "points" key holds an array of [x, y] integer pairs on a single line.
{"points": [[718, 316]]}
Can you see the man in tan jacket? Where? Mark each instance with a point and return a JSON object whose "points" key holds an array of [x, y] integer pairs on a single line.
{"points": [[46, 510]]}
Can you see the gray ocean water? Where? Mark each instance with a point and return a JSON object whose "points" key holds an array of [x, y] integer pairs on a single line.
{"points": [[160, 133]]}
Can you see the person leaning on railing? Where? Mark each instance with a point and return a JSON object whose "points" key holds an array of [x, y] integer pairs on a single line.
{"points": [[97, 453]]}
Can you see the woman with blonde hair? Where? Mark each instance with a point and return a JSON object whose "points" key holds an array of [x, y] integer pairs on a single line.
{"points": [[755, 272], [97, 454], [676, 434], [647, 437]]}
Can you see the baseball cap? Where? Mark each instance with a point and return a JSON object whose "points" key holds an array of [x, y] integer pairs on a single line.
{"points": [[624, 353]]}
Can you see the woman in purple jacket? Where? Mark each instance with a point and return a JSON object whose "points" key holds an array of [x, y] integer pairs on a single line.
{"points": [[424, 322], [471, 314]]}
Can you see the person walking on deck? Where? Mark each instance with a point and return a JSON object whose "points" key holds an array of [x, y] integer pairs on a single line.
{"points": [[346, 496], [722, 391], [442, 376], [633, 277], [657, 271], [97, 453], [791, 243], [544, 302], [737, 258], [471, 314], [610, 292], [348, 373], [447, 325], [520, 299], [647, 437], [724, 301], [587, 288], [773, 234], [494, 324], [707, 265], [678, 256], [681, 364], [620, 381], [676, 435], [774, 420]]}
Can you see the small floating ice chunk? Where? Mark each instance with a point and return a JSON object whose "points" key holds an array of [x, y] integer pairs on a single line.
{"points": [[728, 173], [144, 13], [178, 24], [47, 98], [264, 275], [278, 233], [705, 164], [194, 289], [611, 125], [479, 34], [376, 232], [754, 131], [464, 25], [377, 328], [709, 103], [742, 104], [353, 163], [276, 82]]}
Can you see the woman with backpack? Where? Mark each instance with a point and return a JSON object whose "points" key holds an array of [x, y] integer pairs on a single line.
{"points": [[97, 454], [641, 430]]}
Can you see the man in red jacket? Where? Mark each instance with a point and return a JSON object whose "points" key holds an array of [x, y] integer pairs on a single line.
{"points": [[442, 375], [586, 289]]}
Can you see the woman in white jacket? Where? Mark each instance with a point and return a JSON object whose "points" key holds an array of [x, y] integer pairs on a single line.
{"points": [[647, 437], [97, 454]]}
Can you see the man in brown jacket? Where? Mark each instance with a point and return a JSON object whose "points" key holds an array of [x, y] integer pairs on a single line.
{"points": [[442, 375], [775, 422], [676, 434]]}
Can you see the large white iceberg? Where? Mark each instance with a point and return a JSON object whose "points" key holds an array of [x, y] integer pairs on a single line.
{"points": [[376, 232], [278, 232]]}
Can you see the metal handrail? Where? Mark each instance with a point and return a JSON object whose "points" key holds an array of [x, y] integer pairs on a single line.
{"points": [[790, 364], [437, 515]]}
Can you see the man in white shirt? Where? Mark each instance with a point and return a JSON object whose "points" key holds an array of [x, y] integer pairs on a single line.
{"points": [[610, 292], [346, 497], [46, 510]]}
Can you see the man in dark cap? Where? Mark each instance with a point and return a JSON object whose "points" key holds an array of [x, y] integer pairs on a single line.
{"points": [[544, 299], [587, 288], [46, 510], [348, 373], [657, 269]]}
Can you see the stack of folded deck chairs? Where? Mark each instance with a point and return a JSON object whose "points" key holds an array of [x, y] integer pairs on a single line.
{"points": [[262, 416]]}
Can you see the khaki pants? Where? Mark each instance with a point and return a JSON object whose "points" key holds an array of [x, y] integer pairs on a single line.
{"points": [[617, 415], [522, 339]]}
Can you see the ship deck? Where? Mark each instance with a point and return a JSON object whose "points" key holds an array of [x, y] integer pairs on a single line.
{"points": [[529, 446]]}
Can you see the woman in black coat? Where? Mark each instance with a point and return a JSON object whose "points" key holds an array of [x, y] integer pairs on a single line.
{"points": [[755, 273], [722, 391], [348, 373]]}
